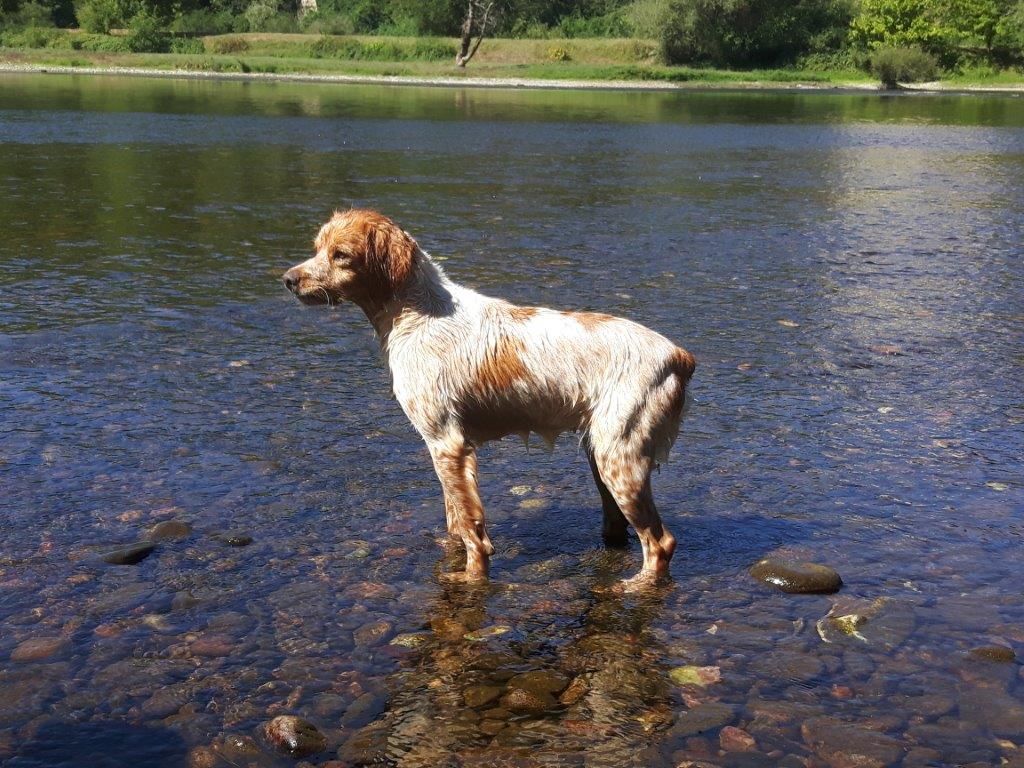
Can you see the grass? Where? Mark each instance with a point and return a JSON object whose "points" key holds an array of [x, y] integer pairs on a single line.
{"points": [[552, 59]]}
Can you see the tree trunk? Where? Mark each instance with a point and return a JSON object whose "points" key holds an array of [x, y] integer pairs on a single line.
{"points": [[467, 37]]}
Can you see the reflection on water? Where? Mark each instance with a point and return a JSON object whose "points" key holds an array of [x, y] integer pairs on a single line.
{"points": [[846, 268]]}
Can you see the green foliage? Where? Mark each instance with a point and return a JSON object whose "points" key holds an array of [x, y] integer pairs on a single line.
{"points": [[381, 50], [147, 34], [206, 22], [258, 13], [903, 65], [1009, 37], [101, 16], [97, 43], [325, 23], [225, 45], [610, 25], [28, 15], [751, 33], [900, 24], [34, 37], [646, 18], [189, 45]]}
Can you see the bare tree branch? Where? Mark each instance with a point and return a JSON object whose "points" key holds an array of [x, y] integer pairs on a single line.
{"points": [[478, 17]]}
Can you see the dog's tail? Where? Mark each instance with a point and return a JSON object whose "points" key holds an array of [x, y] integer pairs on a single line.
{"points": [[683, 364]]}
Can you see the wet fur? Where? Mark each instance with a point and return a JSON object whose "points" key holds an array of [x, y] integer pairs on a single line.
{"points": [[468, 368]]}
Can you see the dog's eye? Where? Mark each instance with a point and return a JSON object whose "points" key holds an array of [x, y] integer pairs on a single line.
{"points": [[337, 256]]}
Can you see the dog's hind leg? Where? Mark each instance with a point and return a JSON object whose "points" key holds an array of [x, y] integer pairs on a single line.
{"points": [[455, 464], [613, 529], [628, 478]]}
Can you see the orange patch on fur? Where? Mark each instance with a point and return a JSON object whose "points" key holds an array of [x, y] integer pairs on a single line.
{"points": [[522, 313], [504, 366], [382, 253], [590, 320]]}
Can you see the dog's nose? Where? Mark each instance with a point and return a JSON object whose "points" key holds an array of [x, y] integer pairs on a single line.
{"points": [[291, 280]]}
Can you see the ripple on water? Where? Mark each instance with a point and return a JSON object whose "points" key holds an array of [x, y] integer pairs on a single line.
{"points": [[845, 269]]}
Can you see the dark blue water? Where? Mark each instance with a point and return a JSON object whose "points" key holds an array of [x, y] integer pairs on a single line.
{"points": [[846, 268]]}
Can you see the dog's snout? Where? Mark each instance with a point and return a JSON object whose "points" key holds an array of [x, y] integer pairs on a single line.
{"points": [[291, 280]]}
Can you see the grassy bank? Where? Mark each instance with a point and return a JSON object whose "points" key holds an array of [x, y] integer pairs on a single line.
{"points": [[577, 59]]}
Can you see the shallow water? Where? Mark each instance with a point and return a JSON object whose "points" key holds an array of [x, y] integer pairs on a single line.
{"points": [[846, 268]]}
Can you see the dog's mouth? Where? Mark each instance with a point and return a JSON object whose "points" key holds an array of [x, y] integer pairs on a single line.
{"points": [[317, 297], [299, 287]]}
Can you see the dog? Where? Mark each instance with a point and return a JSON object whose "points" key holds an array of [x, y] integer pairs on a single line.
{"points": [[468, 368]]}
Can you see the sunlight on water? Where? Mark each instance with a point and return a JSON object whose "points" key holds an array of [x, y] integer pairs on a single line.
{"points": [[847, 269]]}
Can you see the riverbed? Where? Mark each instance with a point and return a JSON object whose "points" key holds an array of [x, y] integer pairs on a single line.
{"points": [[847, 269]]}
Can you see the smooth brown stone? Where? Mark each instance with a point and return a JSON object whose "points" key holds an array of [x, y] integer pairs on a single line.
{"points": [[169, 529], [36, 648], [294, 736], [797, 577], [130, 555]]}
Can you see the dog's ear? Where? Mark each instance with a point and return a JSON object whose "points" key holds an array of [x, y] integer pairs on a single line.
{"points": [[395, 252]]}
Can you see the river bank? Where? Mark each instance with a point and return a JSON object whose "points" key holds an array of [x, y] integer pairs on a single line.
{"points": [[547, 64], [15, 67]]}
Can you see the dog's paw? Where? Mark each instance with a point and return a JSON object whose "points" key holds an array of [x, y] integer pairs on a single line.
{"points": [[463, 577], [645, 581]]}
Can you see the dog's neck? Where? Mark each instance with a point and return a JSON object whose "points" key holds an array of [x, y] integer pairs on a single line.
{"points": [[426, 294]]}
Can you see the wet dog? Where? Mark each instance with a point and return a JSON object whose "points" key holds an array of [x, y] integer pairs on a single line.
{"points": [[468, 368]]}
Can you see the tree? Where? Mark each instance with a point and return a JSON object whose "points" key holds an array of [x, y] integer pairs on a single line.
{"points": [[749, 33], [480, 15]]}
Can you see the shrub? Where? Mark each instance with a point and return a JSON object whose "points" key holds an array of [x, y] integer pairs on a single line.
{"points": [[281, 22], [187, 45], [224, 45], [433, 50], [646, 18], [30, 14], [530, 30], [558, 53], [259, 13], [100, 16], [903, 65], [333, 48], [99, 43], [327, 23], [203, 22], [147, 35], [34, 37], [610, 25]]}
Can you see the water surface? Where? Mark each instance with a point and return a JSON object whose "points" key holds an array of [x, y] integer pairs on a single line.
{"points": [[846, 268]]}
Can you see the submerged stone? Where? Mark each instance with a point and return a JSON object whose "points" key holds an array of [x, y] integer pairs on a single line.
{"points": [[528, 702], [479, 695], [169, 529], [797, 577], [999, 653], [691, 675], [36, 648], [236, 539], [540, 681], [480, 635], [130, 555], [847, 744], [294, 736]]}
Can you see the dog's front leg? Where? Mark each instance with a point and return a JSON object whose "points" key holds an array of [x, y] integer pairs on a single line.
{"points": [[455, 464]]}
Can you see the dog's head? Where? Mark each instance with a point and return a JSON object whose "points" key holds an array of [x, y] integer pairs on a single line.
{"points": [[361, 256]]}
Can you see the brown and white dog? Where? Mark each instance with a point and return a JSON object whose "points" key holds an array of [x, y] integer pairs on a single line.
{"points": [[468, 368]]}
